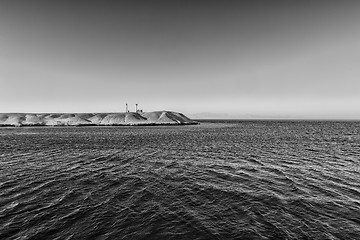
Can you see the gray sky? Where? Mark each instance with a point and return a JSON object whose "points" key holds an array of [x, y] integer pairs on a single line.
{"points": [[244, 58]]}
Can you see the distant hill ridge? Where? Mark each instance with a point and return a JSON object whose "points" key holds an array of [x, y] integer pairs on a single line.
{"points": [[94, 119]]}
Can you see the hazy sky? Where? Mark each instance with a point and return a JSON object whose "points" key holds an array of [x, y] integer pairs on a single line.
{"points": [[245, 58]]}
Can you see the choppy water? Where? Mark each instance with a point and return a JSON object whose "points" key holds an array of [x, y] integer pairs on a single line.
{"points": [[236, 180]]}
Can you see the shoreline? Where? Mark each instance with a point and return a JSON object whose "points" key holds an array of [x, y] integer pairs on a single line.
{"points": [[157, 118]]}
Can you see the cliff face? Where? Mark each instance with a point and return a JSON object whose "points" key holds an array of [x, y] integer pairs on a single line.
{"points": [[95, 119]]}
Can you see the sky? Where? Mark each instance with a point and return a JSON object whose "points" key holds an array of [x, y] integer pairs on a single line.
{"points": [[216, 59]]}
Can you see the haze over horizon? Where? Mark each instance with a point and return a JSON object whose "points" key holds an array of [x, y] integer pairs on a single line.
{"points": [[290, 59]]}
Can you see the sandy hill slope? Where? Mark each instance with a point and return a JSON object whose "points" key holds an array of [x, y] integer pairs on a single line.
{"points": [[96, 119]]}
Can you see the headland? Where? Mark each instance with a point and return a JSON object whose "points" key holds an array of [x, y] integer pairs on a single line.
{"points": [[94, 119]]}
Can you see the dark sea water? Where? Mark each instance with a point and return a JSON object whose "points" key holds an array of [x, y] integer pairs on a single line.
{"points": [[224, 180]]}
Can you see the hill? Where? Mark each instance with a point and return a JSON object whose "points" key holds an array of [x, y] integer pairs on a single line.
{"points": [[94, 119]]}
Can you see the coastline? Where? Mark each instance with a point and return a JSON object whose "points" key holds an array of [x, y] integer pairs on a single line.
{"points": [[94, 119]]}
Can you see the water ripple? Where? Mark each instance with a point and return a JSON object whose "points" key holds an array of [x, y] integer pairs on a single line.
{"points": [[231, 180]]}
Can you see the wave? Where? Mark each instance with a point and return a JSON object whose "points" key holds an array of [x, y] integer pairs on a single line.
{"points": [[239, 180]]}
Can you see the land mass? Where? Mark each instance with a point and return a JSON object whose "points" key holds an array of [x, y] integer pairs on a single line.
{"points": [[94, 119]]}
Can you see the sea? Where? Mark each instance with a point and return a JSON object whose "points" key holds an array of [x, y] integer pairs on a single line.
{"points": [[221, 179]]}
